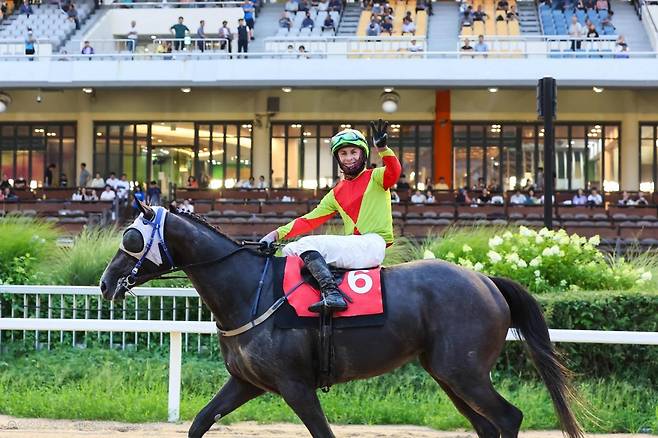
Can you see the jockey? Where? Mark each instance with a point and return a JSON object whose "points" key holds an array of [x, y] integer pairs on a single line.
{"points": [[363, 201]]}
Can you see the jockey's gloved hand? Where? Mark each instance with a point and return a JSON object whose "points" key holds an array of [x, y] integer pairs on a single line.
{"points": [[270, 238], [379, 133]]}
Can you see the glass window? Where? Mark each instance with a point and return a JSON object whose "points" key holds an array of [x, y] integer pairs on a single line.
{"points": [[114, 151], [245, 151], [460, 173], [231, 166]]}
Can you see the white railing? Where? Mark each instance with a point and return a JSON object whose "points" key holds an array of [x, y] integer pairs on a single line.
{"points": [[174, 4], [334, 45], [9, 47], [544, 43], [177, 328]]}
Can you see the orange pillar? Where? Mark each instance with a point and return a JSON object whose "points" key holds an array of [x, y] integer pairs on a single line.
{"points": [[442, 137]]}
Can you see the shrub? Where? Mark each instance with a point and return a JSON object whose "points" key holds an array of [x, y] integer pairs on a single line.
{"points": [[24, 246], [543, 261]]}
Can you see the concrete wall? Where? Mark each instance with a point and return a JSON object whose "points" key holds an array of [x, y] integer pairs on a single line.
{"points": [[628, 107]]}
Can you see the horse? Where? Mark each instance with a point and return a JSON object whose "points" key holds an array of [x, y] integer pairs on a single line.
{"points": [[453, 320]]}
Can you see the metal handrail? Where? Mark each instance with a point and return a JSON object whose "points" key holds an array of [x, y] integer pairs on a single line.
{"points": [[167, 4]]}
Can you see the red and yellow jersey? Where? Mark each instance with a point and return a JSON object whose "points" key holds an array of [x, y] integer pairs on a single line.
{"points": [[364, 203]]}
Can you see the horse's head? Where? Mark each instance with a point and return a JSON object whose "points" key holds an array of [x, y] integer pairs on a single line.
{"points": [[142, 255]]}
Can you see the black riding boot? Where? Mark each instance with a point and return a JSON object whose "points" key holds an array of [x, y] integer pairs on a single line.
{"points": [[332, 298]]}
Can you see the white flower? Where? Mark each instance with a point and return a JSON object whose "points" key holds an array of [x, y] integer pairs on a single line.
{"points": [[537, 273], [595, 240], [450, 256], [512, 258], [535, 262], [494, 256], [545, 232], [466, 248], [539, 239], [522, 263], [646, 276], [428, 254], [507, 235], [563, 283], [526, 232], [465, 263], [495, 241], [478, 266], [563, 240], [550, 251]]}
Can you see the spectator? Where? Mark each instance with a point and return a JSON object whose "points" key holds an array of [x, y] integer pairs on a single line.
{"points": [[335, 5], [625, 199], [123, 187], [26, 8], [87, 49], [503, 5], [402, 184], [308, 21], [512, 14], [192, 182], [429, 197], [531, 199], [248, 9], [641, 200], [5, 184], [63, 180], [291, 6], [621, 48], [180, 31], [243, 36], [85, 176], [481, 46], [226, 34], [387, 26], [594, 198], [467, 46], [8, 195], [132, 36], [201, 36], [479, 14], [579, 198], [329, 24], [575, 32], [485, 197], [250, 183], [97, 182], [3, 10], [29, 44], [48, 181], [441, 185], [462, 197], [580, 6], [408, 26], [77, 195], [540, 179], [418, 198], [108, 194], [89, 195], [73, 15], [112, 181], [427, 183], [395, 198], [261, 182], [285, 22], [424, 5], [377, 9], [373, 29], [602, 5], [414, 47], [323, 5], [153, 194], [302, 6], [517, 198], [591, 31], [303, 53], [290, 52], [20, 183]]}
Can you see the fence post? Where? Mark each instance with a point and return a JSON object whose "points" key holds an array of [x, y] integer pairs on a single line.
{"points": [[175, 365]]}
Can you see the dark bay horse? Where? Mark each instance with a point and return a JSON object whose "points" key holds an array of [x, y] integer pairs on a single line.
{"points": [[452, 319]]}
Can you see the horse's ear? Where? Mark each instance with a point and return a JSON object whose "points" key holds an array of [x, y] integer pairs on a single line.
{"points": [[145, 209]]}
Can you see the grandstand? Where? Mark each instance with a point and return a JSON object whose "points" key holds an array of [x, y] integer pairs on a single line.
{"points": [[199, 120]]}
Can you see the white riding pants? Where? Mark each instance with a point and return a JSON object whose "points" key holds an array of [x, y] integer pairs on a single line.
{"points": [[346, 252]]}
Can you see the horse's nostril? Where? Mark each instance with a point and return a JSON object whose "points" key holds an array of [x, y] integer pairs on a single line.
{"points": [[103, 287]]}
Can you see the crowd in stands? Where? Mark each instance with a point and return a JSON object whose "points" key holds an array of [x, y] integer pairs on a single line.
{"points": [[310, 17], [470, 14]]}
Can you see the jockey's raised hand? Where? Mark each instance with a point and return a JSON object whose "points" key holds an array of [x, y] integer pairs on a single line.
{"points": [[379, 133]]}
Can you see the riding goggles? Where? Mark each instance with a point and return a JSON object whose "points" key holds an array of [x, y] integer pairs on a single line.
{"points": [[349, 137]]}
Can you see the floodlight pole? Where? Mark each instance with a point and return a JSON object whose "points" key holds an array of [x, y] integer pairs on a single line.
{"points": [[546, 108]]}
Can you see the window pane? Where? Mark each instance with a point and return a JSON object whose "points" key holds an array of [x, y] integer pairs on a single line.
{"points": [[173, 134], [509, 168], [245, 152], [493, 168], [561, 157], [294, 153], [278, 152], [231, 177], [278, 130], [646, 132], [459, 135], [310, 179], [7, 158], [100, 150], [52, 157], [142, 162], [114, 163], [477, 170], [528, 171], [611, 161], [578, 164], [67, 174], [594, 158], [128, 151], [459, 166], [22, 163], [646, 165], [326, 163]]}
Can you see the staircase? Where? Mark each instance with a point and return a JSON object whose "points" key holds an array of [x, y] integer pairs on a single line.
{"points": [[627, 23], [72, 45], [7, 23], [443, 27], [267, 25], [349, 22], [528, 18]]}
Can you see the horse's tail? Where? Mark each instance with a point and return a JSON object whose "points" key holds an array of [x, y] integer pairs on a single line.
{"points": [[528, 319]]}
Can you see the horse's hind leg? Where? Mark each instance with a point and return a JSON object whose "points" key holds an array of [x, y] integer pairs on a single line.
{"points": [[233, 394], [303, 399], [483, 427]]}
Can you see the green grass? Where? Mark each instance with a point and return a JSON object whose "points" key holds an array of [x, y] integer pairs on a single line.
{"points": [[132, 386]]}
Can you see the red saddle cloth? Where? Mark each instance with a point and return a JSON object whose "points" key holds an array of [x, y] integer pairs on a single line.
{"points": [[363, 286]]}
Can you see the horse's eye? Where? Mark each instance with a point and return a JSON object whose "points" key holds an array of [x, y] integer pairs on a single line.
{"points": [[133, 241]]}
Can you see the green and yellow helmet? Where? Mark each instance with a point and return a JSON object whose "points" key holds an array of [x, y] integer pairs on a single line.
{"points": [[349, 137]]}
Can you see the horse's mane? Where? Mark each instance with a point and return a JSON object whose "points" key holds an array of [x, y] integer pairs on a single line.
{"points": [[194, 217]]}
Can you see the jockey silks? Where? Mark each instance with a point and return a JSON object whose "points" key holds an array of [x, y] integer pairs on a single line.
{"points": [[364, 203]]}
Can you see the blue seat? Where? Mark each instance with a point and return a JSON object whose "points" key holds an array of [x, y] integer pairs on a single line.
{"points": [[603, 14], [555, 54]]}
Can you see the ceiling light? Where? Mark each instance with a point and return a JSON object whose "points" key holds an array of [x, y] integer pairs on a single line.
{"points": [[493, 89], [286, 89], [88, 90], [390, 102], [597, 89], [5, 101], [186, 89], [388, 90]]}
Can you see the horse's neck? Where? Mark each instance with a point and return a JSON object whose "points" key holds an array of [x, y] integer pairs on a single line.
{"points": [[228, 288]]}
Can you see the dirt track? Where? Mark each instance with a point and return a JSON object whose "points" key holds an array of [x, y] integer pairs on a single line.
{"points": [[42, 428]]}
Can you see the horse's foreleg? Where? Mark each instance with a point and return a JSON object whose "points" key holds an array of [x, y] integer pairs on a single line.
{"points": [[233, 394], [303, 399]]}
